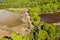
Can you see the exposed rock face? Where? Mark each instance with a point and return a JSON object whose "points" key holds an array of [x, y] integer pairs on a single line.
{"points": [[19, 23], [9, 19], [4, 33]]}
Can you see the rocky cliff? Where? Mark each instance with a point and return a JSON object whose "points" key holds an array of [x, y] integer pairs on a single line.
{"points": [[19, 23]]}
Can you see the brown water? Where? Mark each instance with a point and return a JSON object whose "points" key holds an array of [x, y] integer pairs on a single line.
{"points": [[50, 18]]}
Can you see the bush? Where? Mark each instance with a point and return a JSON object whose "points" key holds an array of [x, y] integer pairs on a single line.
{"points": [[45, 32], [34, 16], [44, 5]]}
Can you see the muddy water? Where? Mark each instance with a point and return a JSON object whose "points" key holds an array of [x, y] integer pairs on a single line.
{"points": [[50, 18]]}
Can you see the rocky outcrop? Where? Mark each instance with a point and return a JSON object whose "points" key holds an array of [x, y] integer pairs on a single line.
{"points": [[14, 22]]}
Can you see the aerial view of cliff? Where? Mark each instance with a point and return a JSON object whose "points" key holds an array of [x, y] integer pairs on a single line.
{"points": [[29, 19]]}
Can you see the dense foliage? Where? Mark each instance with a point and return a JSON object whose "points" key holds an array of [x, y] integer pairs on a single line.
{"points": [[35, 7], [45, 32], [18, 37], [43, 5], [34, 16]]}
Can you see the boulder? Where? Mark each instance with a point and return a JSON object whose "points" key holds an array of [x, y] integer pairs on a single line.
{"points": [[19, 23]]}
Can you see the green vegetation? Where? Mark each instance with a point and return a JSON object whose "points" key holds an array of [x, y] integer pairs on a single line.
{"points": [[35, 8], [14, 36], [18, 37], [43, 5], [42, 35], [45, 32], [4, 39], [34, 16]]}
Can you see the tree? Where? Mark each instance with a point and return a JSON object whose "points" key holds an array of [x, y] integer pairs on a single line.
{"points": [[50, 29], [42, 35]]}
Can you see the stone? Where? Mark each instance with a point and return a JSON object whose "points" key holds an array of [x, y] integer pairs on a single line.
{"points": [[4, 33], [14, 22]]}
